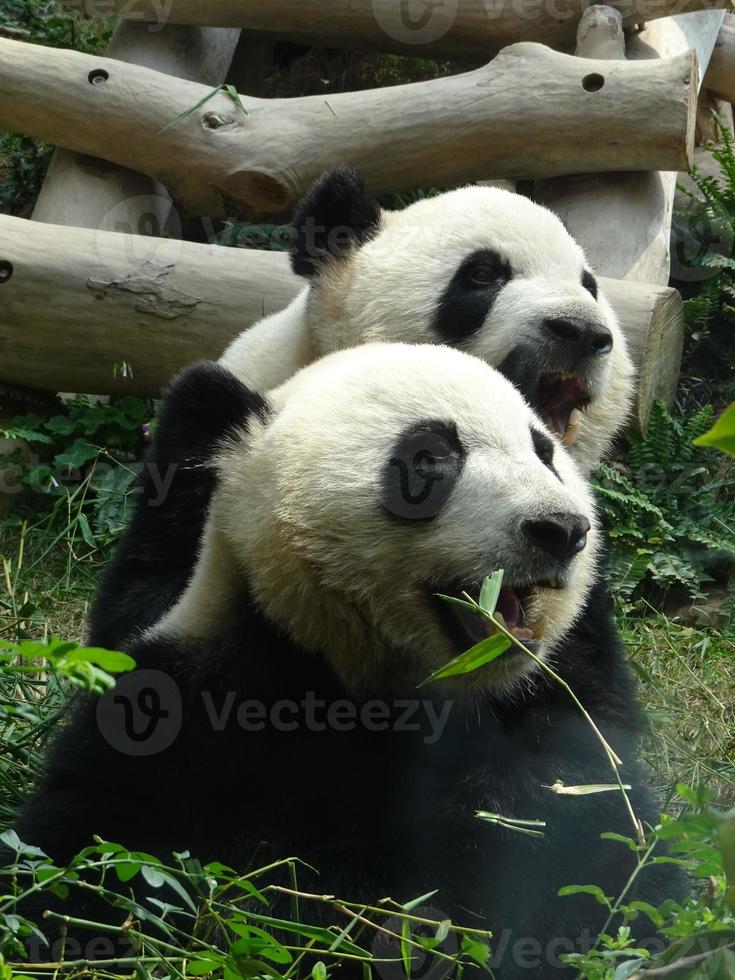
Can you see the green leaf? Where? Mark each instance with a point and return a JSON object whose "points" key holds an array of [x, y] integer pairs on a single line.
{"points": [[228, 89], [153, 876], [722, 433], [653, 913], [480, 654], [79, 453], [86, 530], [127, 870], [319, 971], [490, 591], [415, 902], [201, 967], [475, 949], [406, 946], [593, 890], [112, 660]]}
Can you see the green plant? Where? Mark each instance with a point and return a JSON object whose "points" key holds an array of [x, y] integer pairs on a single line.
{"points": [[698, 934], [704, 234], [669, 513], [83, 459], [34, 679], [23, 161]]}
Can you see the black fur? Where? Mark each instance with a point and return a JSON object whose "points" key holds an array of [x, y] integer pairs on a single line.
{"points": [[375, 813], [589, 282], [470, 294], [544, 447], [156, 555], [334, 216], [424, 466], [523, 368]]}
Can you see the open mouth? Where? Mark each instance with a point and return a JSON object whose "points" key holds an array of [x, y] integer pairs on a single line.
{"points": [[515, 609], [560, 401]]}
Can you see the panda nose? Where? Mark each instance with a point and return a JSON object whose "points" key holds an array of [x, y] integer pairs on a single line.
{"points": [[560, 535], [586, 338]]}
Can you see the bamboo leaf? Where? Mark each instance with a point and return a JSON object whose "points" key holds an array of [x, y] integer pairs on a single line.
{"points": [[480, 654]]}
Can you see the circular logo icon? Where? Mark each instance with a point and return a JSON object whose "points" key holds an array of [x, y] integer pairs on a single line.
{"points": [[415, 21], [143, 220], [420, 474], [389, 950], [141, 715], [699, 236]]}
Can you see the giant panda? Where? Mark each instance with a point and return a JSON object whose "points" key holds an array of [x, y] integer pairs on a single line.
{"points": [[343, 504], [477, 268]]}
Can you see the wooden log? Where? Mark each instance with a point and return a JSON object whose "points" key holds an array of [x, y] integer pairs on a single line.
{"points": [[623, 221], [531, 112], [720, 76], [464, 29], [96, 299], [92, 193]]}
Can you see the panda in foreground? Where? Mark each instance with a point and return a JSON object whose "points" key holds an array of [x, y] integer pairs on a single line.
{"points": [[477, 268], [344, 502]]}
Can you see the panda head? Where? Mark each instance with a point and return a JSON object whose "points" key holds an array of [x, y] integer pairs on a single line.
{"points": [[481, 269], [385, 475]]}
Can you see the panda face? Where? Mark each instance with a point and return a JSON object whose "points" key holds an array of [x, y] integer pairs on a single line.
{"points": [[493, 274], [386, 475]]}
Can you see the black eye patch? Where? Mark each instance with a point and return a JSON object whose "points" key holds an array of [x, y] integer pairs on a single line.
{"points": [[589, 282], [544, 447], [424, 465], [470, 294]]}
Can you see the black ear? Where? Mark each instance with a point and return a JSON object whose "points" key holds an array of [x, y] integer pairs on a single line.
{"points": [[201, 406], [332, 218]]}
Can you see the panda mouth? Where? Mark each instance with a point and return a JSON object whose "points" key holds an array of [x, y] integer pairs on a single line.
{"points": [[560, 400], [516, 609]]}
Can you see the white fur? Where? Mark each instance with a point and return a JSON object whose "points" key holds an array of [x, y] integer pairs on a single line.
{"points": [[388, 289], [298, 514]]}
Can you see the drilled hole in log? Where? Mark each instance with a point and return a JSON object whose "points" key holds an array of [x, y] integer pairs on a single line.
{"points": [[6, 271], [98, 76], [593, 82]]}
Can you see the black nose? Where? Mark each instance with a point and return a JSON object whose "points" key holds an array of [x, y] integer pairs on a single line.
{"points": [[585, 338], [560, 535]]}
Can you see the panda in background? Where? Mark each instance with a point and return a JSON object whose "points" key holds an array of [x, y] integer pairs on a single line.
{"points": [[478, 268], [343, 503]]}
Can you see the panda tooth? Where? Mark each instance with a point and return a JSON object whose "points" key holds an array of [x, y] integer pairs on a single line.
{"points": [[523, 633], [572, 432]]}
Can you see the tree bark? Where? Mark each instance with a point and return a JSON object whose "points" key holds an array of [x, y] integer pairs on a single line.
{"points": [[92, 193], [97, 299], [531, 112], [720, 76], [623, 221], [463, 29]]}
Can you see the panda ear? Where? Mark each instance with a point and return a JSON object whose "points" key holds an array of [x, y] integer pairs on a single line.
{"points": [[331, 219], [201, 406]]}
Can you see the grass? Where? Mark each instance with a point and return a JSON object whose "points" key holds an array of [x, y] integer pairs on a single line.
{"points": [[687, 687]]}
